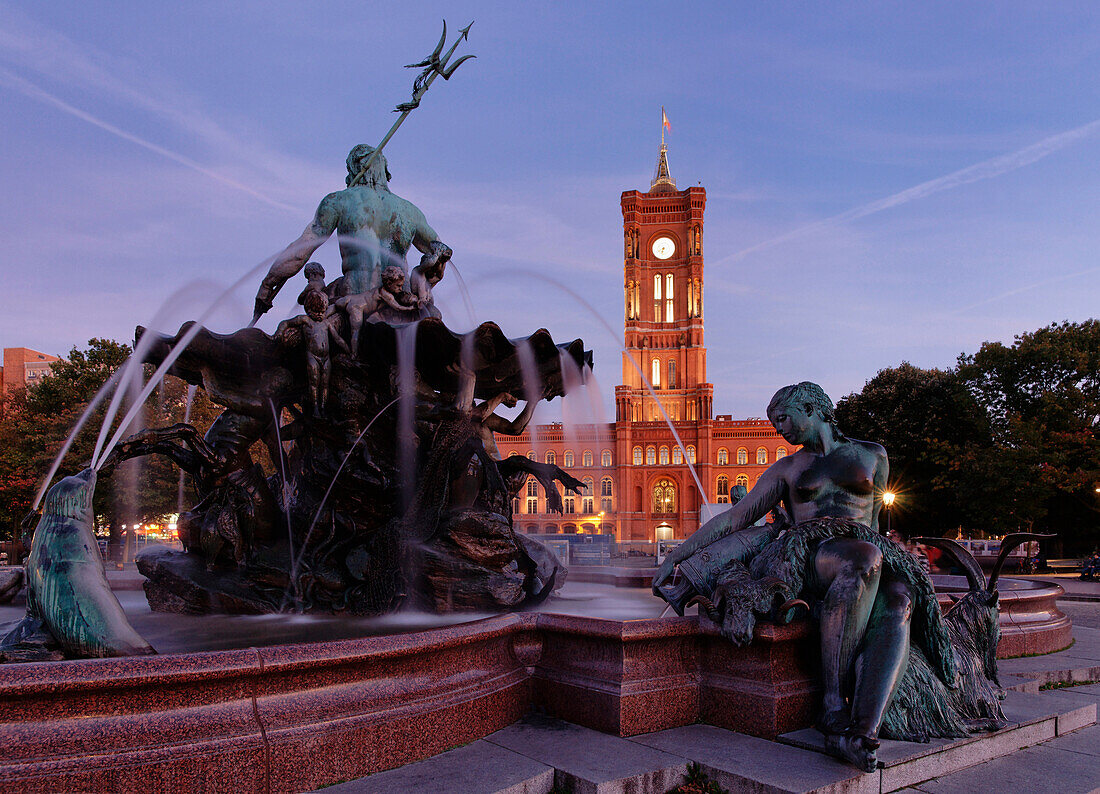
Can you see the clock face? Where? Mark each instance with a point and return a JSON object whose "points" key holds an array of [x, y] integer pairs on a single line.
{"points": [[664, 247]]}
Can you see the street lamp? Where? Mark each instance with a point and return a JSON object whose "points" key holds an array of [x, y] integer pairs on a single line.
{"points": [[887, 500]]}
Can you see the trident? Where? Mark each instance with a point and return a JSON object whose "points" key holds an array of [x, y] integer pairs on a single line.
{"points": [[436, 66]]}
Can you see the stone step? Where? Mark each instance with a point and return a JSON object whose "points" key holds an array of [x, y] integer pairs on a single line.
{"points": [[1034, 718], [477, 768], [590, 762]]}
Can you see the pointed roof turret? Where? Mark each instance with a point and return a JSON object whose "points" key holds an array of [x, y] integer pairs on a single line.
{"points": [[662, 179]]}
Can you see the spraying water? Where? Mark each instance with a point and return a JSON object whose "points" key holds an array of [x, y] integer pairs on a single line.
{"points": [[532, 384], [465, 293], [406, 410], [191, 389]]}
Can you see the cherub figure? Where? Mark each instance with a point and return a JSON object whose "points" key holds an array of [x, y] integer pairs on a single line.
{"points": [[317, 326], [425, 276], [315, 276], [361, 307]]}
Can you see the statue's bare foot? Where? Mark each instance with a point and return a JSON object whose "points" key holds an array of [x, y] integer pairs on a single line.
{"points": [[859, 751], [834, 721]]}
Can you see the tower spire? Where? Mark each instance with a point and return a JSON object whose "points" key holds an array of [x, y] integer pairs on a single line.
{"points": [[661, 175]]}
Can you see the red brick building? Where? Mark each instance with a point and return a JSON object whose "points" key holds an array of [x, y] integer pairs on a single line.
{"points": [[639, 484], [23, 367]]}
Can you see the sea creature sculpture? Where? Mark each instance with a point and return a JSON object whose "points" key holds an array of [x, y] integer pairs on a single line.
{"points": [[68, 597]]}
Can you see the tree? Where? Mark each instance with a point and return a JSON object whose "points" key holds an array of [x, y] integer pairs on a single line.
{"points": [[37, 420], [1042, 395], [934, 432]]}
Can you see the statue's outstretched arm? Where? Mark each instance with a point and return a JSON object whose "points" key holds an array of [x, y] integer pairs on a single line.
{"points": [[498, 424], [294, 257]]}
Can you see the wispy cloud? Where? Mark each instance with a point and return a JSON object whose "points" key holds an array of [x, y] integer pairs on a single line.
{"points": [[987, 169], [1027, 288]]}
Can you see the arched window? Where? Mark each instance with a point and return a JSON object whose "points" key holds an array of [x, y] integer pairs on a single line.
{"points": [[568, 458], [650, 455], [637, 456], [780, 452], [742, 457], [669, 312], [663, 456], [532, 486], [723, 457], [586, 497], [742, 479], [586, 458], [656, 299], [677, 455], [531, 455], [691, 454], [605, 457], [671, 374], [761, 456], [570, 504], [605, 486], [664, 497], [551, 457], [723, 489], [655, 371]]}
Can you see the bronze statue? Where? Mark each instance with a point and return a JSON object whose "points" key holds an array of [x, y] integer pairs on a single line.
{"points": [[364, 305], [318, 328], [884, 642]]}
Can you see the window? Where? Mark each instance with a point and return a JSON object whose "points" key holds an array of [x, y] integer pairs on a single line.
{"points": [[568, 458], [605, 457], [650, 455], [551, 457], [761, 456], [532, 487], [668, 299], [515, 505], [723, 489], [780, 452], [532, 506], [677, 455], [691, 454], [531, 455], [570, 504], [586, 458], [587, 496], [656, 300], [723, 457], [605, 505], [655, 371], [671, 374], [742, 457], [605, 486], [664, 456], [742, 480], [637, 456], [664, 497]]}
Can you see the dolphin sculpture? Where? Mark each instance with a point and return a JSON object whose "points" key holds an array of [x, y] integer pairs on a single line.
{"points": [[67, 592]]}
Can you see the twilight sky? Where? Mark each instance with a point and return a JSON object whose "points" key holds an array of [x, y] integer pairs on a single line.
{"points": [[886, 182]]}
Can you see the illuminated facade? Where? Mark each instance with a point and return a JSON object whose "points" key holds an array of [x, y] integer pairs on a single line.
{"points": [[638, 484]]}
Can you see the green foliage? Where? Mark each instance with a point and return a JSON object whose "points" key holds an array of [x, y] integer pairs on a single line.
{"points": [[1007, 441], [696, 781], [36, 421]]}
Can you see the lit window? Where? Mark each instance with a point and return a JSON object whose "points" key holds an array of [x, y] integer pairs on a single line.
{"points": [[723, 486], [761, 456], [655, 371], [671, 374], [605, 486], [532, 506], [650, 455], [605, 505], [664, 456], [568, 458], [586, 500], [532, 487], [742, 457], [531, 455], [586, 458], [637, 456], [664, 497], [570, 505], [551, 457], [780, 452], [515, 505], [677, 455], [723, 457], [691, 454], [586, 507], [605, 457], [668, 299], [657, 299], [742, 480]]}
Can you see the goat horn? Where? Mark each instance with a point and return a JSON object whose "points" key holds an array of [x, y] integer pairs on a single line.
{"points": [[964, 558], [1008, 543]]}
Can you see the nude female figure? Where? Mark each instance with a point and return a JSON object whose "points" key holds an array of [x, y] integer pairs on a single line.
{"points": [[864, 611]]}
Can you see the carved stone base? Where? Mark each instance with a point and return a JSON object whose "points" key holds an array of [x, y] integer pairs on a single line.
{"points": [[180, 582]]}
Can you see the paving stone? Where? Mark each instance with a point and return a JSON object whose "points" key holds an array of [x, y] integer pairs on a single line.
{"points": [[1035, 770], [477, 768], [746, 763], [1085, 741], [592, 762]]}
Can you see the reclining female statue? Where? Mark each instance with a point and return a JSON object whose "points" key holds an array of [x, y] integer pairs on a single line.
{"points": [[865, 589]]}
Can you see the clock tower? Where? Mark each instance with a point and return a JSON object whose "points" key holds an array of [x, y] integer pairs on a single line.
{"points": [[663, 288]]}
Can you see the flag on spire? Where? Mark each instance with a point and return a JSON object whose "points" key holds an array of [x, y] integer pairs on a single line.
{"points": [[666, 126]]}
